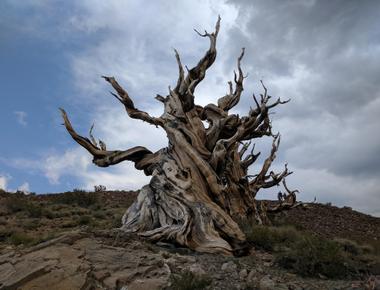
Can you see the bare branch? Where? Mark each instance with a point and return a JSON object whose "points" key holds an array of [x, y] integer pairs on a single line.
{"points": [[277, 178], [160, 98], [132, 111], [260, 179], [278, 102], [197, 73], [181, 74], [232, 99], [245, 148], [92, 137], [249, 160], [287, 189], [83, 141], [257, 123], [104, 158]]}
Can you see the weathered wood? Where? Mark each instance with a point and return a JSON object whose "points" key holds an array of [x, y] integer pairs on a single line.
{"points": [[200, 183]]}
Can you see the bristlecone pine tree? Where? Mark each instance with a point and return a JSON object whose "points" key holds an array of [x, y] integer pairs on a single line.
{"points": [[200, 184]]}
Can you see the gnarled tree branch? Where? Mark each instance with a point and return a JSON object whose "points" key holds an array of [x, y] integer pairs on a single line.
{"points": [[132, 111], [232, 99], [141, 156], [186, 86]]}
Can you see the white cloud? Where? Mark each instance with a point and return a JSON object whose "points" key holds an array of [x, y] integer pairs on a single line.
{"points": [[3, 182], [71, 162], [76, 162], [137, 47], [21, 117], [24, 187]]}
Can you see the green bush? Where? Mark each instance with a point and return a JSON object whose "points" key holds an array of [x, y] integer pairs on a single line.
{"points": [[84, 220], [18, 238], [188, 281], [15, 204], [34, 211], [18, 203], [269, 238], [45, 238], [116, 221], [4, 234], [99, 215], [354, 248], [313, 256], [31, 224], [81, 198], [306, 254]]}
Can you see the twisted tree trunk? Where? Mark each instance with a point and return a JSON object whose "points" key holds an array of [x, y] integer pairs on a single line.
{"points": [[200, 183]]}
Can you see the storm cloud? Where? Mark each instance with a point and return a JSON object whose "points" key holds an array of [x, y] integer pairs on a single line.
{"points": [[325, 56]]}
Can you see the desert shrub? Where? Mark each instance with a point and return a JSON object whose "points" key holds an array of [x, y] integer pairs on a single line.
{"points": [[269, 238], [116, 221], [314, 256], [375, 246], [19, 238], [81, 198], [84, 220], [45, 238], [306, 254], [34, 211], [96, 206], [18, 203], [188, 281], [31, 224], [78, 190], [4, 234], [99, 214], [15, 204], [354, 248], [68, 224], [49, 214], [99, 188]]}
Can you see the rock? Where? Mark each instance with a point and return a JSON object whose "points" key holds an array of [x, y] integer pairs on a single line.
{"points": [[229, 266], [184, 259], [293, 286], [268, 264], [252, 276], [243, 274], [281, 287], [86, 263], [144, 284], [197, 269], [267, 257], [373, 283], [266, 283]]}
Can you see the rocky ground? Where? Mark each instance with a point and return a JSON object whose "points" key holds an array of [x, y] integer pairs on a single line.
{"points": [[65, 242]]}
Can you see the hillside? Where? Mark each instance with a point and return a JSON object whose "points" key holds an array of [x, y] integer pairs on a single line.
{"points": [[70, 241]]}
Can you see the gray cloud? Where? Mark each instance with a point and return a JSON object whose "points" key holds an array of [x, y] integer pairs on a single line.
{"points": [[326, 56]]}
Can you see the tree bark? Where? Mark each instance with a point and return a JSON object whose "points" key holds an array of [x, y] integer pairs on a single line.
{"points": [[200, 184]]}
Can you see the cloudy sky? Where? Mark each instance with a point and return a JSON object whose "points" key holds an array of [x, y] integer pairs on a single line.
{"points": [[324, 55]]}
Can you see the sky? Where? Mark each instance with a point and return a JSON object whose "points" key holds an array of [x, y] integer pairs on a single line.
{"points": [[324, 55]]}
